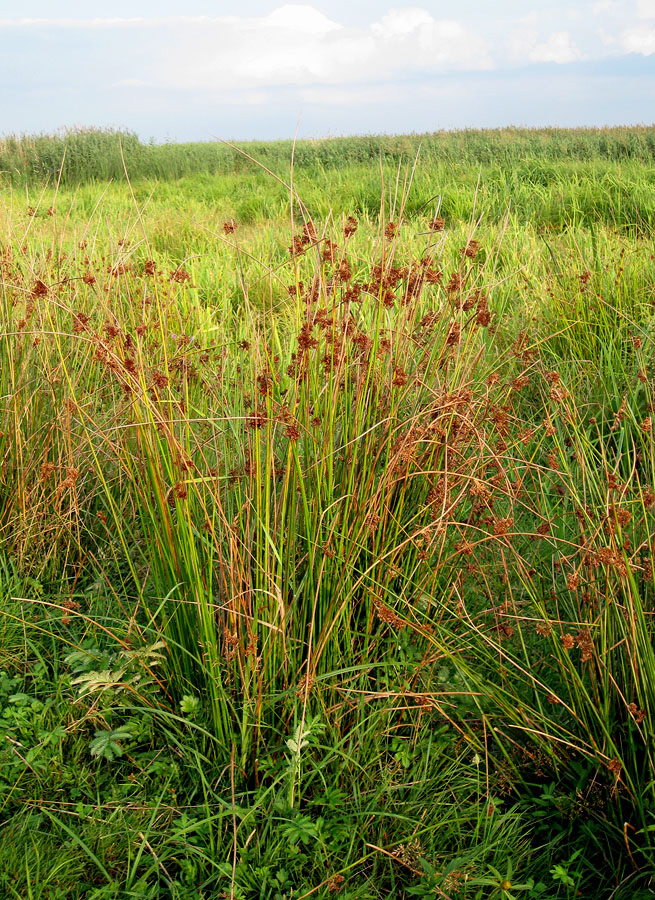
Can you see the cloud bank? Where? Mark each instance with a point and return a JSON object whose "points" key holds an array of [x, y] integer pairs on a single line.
{"points": [[296, 44], [406, 68]]}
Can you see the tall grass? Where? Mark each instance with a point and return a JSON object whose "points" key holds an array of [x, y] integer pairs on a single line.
{"points": [[393, 464], [99, 154]]}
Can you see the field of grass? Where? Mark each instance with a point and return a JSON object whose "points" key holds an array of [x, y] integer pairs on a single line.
{"points": [[327, 515]]}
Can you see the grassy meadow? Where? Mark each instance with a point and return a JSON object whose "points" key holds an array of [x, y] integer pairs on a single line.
{"points": [[327, 517]]}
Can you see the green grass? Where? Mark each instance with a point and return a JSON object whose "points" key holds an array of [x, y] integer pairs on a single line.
{"points": [[328, 571], [96, 154]]}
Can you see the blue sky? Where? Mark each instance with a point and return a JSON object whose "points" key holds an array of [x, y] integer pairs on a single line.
{"points": [[257, 69]]}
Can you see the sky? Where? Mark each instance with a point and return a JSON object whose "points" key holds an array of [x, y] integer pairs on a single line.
{"points": [[203, 70]]}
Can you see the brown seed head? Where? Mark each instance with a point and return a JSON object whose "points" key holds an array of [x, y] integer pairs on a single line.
{"points": [[344, 272], [399, 377], [350, 227], [39, 288], [111, 330], [454, 334], [309, 235], [502, 526], [623, 515], [615, 767], [80, 322], [483, 316], [335, 883], [305, 339], [330, 251], [387, 615], [180, 275]]}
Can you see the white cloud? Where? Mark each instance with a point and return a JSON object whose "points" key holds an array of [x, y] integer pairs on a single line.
{"points": [[626, 9], [607, 6], [292, 45], [303, 19], [115, 22], [558, 48], [607, 39], [295, 44], [639, 40], [399, 22], [411, 34], [526, 45]]}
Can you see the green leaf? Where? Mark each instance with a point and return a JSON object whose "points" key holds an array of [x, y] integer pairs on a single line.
{"points": [[105, 743]]}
